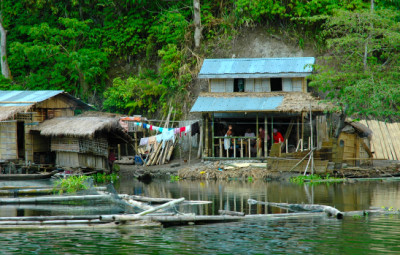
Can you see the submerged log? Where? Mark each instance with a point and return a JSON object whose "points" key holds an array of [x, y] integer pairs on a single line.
{"points": [[329, 210], [51, 199], [161, 200], [232, 213]]}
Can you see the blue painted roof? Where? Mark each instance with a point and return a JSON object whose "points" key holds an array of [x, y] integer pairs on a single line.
{"points": [[236, 104], [25, 97], [256, 67]]}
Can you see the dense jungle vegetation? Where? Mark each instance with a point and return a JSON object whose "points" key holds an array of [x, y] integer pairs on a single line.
{"points": [[83, 47]]}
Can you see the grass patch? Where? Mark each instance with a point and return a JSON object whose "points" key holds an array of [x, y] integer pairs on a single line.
{"points": [[71, 184], [314, 178]]}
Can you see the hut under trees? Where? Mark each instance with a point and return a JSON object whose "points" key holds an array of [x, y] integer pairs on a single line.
{"points": [[20, 111], [84, 141]]}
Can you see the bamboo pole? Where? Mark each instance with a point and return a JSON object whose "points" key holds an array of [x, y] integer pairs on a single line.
{"points": [[53, 199], [329, 210], [200, 143], [265, 136], [220, 147], [212, 135], [249, 145], [241, 148], [171, 203]]}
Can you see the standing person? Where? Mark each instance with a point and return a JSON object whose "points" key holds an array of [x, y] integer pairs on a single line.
{"points": [[261, 137], [111, 159], [278, 138], [227, 141]]}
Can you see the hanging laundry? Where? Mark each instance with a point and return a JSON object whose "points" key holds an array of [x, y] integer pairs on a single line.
{"points": [[187, 129], [182, 129], [152, 140], [151, 127], [144, 125], [195, 128], [159, 138], [144, 141]]}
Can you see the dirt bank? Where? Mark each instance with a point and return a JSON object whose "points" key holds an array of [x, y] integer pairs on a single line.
{"points": [[226, 170]]}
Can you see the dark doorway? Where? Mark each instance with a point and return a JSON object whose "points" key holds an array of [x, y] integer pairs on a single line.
{"points": [[21, 139], [238, 85], [276, 84]]}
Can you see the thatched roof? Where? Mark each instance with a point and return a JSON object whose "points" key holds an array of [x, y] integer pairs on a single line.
{"points": [[78, 126], [7, 112], [259, 102], [360, 128]]}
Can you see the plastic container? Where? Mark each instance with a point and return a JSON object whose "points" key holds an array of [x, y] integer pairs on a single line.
{"points": [[138, 160]]}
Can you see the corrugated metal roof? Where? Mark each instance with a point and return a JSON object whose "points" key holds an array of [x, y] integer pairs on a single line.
{"points": [[25, 97], [236, 104], [256, 67]]}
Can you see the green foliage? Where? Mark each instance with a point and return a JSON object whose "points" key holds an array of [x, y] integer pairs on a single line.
{"points": [[71, 184], [135, 94], [175, 178], [103, 177], [300, 179], [361, 75], [58, 58], [80, 46]]}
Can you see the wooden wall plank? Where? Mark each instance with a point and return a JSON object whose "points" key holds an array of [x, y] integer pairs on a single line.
{"points": [[388, 144], [393, 135]]}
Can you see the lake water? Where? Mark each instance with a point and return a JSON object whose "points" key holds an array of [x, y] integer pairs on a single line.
{"points": [[317, 235]]}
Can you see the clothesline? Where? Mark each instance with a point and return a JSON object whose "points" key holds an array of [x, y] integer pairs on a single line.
{"points": [[179, 130], [167, 134]]}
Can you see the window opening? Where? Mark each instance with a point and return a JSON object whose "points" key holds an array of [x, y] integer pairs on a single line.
{"points": [[238, 85], [276, 84]]}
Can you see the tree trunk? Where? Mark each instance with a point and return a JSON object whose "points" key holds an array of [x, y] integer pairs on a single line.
{"points": [[5, 70], [197, 23]]}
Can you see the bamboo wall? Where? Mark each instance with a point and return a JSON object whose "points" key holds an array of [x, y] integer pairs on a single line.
{"points": [[385, 142], [80, 160], [8, 140]]}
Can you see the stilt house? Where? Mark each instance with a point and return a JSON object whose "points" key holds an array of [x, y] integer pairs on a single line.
{"points": [[20, 111], [254, 93]]}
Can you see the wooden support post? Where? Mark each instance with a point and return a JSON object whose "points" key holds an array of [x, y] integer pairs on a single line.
{"points": [[286, 142], [298, 132], [259, 150], [249, 145], [190, 146], [200, 142], [119, 151], [302, 131], [265, 137], [207, 144], [241, 147], [220, 148], [234, 147], [212, 134]]}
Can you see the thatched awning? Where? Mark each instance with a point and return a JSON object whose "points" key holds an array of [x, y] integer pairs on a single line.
{"points": [[7, 112], [80, 126], [291, 102]]}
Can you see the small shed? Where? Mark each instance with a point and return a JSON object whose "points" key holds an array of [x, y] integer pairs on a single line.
{"points": [[83, 141], [353, 145], [22, 110]]}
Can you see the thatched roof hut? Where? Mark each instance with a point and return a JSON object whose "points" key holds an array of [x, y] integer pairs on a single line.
{"points": [[82, 126], [6, 112]]}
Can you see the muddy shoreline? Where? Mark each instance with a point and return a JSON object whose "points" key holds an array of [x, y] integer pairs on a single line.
{"points": [[198, 169]]}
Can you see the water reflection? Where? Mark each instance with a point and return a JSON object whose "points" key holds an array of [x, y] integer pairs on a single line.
{"points": [[233, 195]]}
